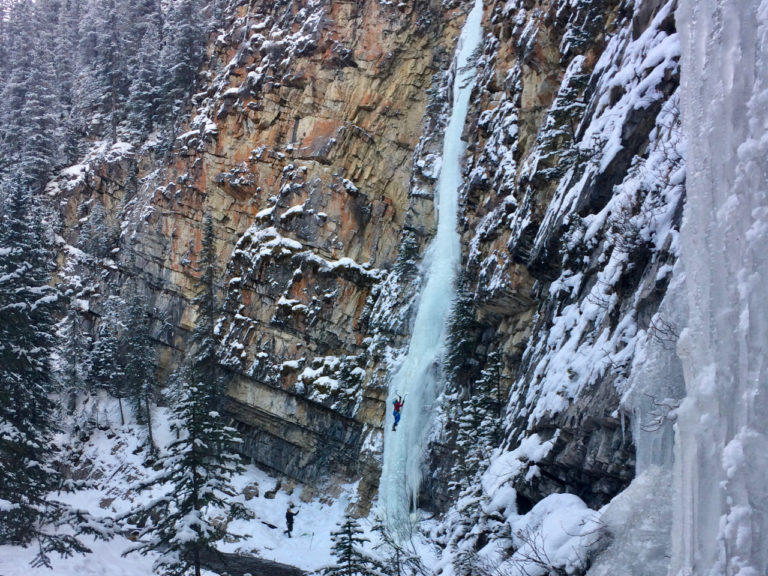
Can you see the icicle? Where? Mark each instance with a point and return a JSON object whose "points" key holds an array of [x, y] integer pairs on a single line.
{"points": [[721, 448]]}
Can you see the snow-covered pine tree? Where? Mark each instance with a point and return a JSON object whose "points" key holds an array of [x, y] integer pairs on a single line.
{"points": [[479, 424], [26, 342], [139, 360], [27, 474], [103, 79], [400, 559], [200, 463], [97, 236], [205, 362], [15, 66], [466, 412], [107, 370], [74, 357], [479, 431], [144, 94], [181, 55], [196, 470], [64, 49], [407, 265], [31, 107], [347, 549], [3, 37], [39, 122], [22, 103], [460, 359]]}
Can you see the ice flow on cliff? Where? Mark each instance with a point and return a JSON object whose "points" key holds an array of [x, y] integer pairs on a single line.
{"points": [[721, 449], [419, 376]]}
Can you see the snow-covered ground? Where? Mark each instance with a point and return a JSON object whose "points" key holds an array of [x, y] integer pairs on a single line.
{"points": [[105, 560], [115, 462]]}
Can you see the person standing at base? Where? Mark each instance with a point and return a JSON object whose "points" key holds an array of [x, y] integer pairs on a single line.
{"points": [[289, 515]]}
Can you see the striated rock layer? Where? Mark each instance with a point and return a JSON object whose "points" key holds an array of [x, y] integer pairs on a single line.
{"points": [[313, 141], [300, 145]]}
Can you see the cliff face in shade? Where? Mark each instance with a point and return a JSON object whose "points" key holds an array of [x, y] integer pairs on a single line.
{"points": [[570, 216], [573, 200], [313, 141]]}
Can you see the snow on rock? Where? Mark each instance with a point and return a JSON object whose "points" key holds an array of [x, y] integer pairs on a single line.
{"points": [[293, 210], [261, 243], [276, 42], [595, 328], [557, 534], [591, 208], [511, 465], [72, 177]]}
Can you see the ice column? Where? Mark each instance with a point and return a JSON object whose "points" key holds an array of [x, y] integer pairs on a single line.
{"points": [[721, 454], [418, 378]]}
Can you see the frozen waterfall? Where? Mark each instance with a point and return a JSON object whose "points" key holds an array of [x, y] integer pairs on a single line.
{"points": [[418, 377], [721, 449]]}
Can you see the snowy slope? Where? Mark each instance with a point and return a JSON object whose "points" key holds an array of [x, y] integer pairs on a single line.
{"points": [[112, 458]]}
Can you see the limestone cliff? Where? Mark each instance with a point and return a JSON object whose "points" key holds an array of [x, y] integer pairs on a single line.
{"points": [[300, 145], [572, 206], [313, 142], [571, 210]]}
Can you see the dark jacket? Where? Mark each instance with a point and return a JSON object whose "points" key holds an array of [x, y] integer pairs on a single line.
{"points": [[289, 514]]}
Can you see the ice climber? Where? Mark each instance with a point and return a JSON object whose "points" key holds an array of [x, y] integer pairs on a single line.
{"points": [[399, 402]]}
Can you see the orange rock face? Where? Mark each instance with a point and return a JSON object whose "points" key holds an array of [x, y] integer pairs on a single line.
{"points": [[300, 145]]}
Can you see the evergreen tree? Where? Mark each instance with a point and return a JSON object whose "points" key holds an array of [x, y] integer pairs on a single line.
{"points": [[107, 370], [39, 147], [401, 560], [205, 363], [29, 108], [138, 358], [407, 257], [75, 358], [460, 363], [479, 424], [347, 549], [182, 54], [26, 328], [19, 36], [200, 463], [479, 431], [196, 468], [35, 85], [3, 40], [65, 48], [103, 79], [27, 475], [97, 237], [144, 95]]}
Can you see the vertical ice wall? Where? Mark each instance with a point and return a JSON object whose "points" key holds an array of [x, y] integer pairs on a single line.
{"points": [[418, 378], [721, 458]]}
